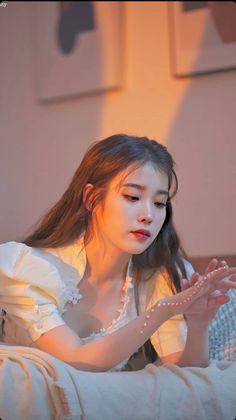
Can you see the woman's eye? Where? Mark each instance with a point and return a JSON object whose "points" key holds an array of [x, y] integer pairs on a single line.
{"points": [[131, 197], [160, 205]]}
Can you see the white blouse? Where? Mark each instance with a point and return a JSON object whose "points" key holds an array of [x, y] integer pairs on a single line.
{"points": [[36, 287]]}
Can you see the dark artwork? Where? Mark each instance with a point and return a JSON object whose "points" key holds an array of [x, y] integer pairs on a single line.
{"points": [[75, 17], [222, 13], [189, 6]]}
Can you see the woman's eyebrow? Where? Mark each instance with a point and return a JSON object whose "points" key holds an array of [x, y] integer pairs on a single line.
{"points": [[142, 188]]}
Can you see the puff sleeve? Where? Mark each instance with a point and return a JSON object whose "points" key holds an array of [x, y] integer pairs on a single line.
{"points": [[171, 336], [32, 287]]}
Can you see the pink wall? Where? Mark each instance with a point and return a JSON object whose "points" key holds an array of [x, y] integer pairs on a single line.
{"points": [[42, 143]]}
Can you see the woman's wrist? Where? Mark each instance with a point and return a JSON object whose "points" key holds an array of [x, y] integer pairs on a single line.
{"points": [[165, 309], [197, 325]]}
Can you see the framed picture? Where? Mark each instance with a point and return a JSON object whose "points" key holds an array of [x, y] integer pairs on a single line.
{"points": [[202, 36], [78, 47]]}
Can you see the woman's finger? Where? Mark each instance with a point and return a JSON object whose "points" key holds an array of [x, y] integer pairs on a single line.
{"points": [[222, 263], [217, 301], [224, 281], [186, 300], [229, 270], [216, 279], [212, 265], [184, 284], [232, 278], [227, 284], [216, 293], [194, 278]]}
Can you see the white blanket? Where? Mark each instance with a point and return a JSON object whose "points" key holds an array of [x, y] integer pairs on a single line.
{"points": [[35, 385]]}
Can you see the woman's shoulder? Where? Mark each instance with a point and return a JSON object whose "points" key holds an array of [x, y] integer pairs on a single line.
{"points": [[35, 266], [10, 253], [159, 284], [72, 254]]}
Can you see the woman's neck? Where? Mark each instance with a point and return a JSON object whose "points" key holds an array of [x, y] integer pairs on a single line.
{"points": [[105, 263]]}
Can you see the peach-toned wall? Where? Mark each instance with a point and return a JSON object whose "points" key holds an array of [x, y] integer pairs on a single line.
{"points": [[42, 144]]}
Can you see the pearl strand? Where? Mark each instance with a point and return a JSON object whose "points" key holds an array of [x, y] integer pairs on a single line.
{"points": [[196, 288], [147, 316], [166, 303]]}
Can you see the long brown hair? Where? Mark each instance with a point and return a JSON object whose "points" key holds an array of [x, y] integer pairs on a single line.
{"points": [[104, 159]]}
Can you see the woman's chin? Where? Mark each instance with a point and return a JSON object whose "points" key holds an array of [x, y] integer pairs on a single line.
{"points": [[136, 250]]}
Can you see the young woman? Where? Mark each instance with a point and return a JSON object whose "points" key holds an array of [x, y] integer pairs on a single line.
{"points": [[104, 272]]}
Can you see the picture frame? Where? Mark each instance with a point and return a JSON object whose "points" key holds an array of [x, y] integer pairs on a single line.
{"points": [[78, 48], [202, 37]]}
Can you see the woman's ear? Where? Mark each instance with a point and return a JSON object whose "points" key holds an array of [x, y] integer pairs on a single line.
{"points": [[88, 196]]}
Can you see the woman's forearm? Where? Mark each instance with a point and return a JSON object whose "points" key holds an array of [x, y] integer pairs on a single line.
{"points": [[108, 351], [196, 352]]}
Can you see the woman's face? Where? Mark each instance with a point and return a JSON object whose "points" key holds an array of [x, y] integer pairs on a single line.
{"points": [[133, 210]]}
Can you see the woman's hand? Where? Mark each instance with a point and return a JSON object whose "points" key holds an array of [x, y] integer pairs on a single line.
{"points": [[206, 293], [209, 314]]}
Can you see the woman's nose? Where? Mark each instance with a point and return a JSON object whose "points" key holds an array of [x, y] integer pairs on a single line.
{"points": [[146, 219], [145, 215]]}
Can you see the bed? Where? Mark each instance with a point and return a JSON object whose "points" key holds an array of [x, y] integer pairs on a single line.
{"points": [[35, 385]]}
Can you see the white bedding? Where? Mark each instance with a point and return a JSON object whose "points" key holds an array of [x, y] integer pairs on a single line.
{"points": [[35, 385]]}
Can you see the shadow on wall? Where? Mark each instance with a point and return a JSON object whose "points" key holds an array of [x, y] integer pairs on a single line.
{"points": [[75, 18], [61, 110], [202, 142], [73, 54]]}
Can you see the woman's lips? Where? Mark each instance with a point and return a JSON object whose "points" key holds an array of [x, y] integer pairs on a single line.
{"points": [[140, 235]]}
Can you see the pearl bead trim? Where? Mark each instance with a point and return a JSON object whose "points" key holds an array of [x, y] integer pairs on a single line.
{"points": [[196, 288]]}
